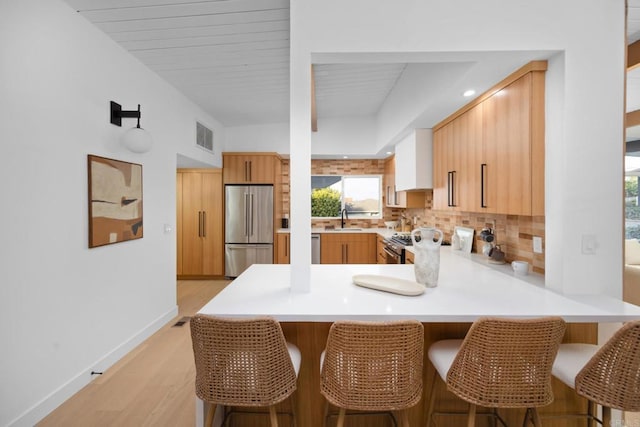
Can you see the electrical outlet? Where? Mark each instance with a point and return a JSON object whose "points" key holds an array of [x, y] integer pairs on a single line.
{"points": [[537, 244]]}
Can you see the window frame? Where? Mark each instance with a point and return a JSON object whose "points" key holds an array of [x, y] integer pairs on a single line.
{"points": [[342, 202]]}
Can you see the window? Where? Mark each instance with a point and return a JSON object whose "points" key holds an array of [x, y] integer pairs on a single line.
{"points": [[358, 194], [632, 210]]}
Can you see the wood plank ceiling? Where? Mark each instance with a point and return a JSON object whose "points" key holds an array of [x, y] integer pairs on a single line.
{"points": [[231, 57]]}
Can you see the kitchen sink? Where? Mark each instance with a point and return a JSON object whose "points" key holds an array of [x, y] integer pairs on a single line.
{"points": [[332, 228]]}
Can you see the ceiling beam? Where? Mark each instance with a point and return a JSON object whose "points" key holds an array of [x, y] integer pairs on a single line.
{"points": [[314, 112], [633, 55], [633, 118]]}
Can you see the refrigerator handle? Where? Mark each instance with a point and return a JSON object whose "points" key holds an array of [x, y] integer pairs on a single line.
{"points": [[251, 211], [246, 215]]}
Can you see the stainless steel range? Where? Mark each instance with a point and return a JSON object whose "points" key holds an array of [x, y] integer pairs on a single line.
{"points": [[394, 247]]}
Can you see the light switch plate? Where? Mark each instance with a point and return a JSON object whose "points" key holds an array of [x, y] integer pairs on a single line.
{"points": [[589, 244], [537, 244]]}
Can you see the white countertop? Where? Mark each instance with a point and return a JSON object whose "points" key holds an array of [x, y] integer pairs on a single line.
{"points": [[466, 290], [384, 232]]}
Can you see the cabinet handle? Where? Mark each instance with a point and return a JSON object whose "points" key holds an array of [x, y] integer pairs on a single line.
{"points": [[286, 246], [483, 168], [346, 251], [453, 188], [246, 170], [204, 223], [450, 189], [250, 171], [199, 223]]}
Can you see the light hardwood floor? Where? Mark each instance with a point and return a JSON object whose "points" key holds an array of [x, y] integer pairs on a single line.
{"points": [[153, 385]]}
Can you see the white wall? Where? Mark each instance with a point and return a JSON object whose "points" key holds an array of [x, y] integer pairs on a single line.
{"points": [[267, 137], [587, 125], [354, 136], [65, 309], [348, 135]]}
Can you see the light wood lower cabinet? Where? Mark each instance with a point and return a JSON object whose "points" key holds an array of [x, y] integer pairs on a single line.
{"points": [[381, 255], [408, 257], [348, 248], [283, 247], [200, 240]]}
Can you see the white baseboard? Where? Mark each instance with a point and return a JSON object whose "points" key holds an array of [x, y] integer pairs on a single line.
{"points": [[41, 409]]}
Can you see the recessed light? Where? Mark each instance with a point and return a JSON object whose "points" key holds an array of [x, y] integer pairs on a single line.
{"points": [[345, 157], [469, 92], [389, 153]]}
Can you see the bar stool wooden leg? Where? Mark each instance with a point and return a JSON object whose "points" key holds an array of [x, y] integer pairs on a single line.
{"points": [[606, 416], [471, 420], [535, 417], [432, 399], [341, 417], [326, 413], [211, 412], [591, 412], [273, 416]]}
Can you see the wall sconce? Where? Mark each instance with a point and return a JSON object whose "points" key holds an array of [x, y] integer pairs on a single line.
{"points": [[135, 139]]}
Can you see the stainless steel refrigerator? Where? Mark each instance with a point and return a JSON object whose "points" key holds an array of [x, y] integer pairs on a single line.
{"points": [[248, 232]]}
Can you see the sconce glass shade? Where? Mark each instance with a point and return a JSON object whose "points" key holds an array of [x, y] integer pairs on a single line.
{"points": [[137, 140]]}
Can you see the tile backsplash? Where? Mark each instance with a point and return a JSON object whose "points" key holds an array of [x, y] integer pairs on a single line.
{"points": [[513, 233]]}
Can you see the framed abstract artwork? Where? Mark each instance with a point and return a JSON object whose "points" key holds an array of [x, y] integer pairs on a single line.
{"points": [[115, 201]]}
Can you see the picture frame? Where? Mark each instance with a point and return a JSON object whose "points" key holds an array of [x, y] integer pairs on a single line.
{"points": [[115, 201]]}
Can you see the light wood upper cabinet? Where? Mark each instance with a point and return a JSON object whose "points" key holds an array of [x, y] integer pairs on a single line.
{"points": [[490, 157], [348, 248], [441, 167], [199, 213], [467, 150], [250, 168], [415, 155], [283, 248], [513, 138]]}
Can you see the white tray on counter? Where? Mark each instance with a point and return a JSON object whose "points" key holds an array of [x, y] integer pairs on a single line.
{"points": [[389, 284]]}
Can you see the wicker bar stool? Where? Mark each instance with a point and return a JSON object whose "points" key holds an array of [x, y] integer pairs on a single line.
{"points": [[243, 363], [372, 367], [607, 375], [501, 363]]}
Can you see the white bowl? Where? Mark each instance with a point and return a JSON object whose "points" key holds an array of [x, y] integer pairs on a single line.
{"points": [[391, 224]]}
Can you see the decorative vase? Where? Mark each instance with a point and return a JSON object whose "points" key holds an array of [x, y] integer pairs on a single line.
{"points": [[426, 244]]}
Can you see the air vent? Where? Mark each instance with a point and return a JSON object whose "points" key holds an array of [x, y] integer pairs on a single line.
{"points": [[204, 137]]}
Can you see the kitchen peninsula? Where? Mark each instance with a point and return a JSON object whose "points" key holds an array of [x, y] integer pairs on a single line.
{"points": [[466, 290]]}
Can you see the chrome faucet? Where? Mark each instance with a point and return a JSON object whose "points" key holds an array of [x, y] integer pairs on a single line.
{"points": [[343, 214]]}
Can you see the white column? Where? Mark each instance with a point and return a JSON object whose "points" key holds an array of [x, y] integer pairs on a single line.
{"points": [[300, 158]]}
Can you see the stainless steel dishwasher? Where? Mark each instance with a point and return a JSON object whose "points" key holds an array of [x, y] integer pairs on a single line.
{"points": [[315, 248]]}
